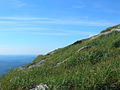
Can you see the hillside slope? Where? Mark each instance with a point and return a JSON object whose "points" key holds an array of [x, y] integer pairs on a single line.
{"points": [[89, 64]]}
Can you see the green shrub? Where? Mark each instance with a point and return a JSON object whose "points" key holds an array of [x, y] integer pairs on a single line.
{"points": [[116, 44]]}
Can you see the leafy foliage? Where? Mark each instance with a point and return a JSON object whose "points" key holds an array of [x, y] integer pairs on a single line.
{"points": [[116, 44]]}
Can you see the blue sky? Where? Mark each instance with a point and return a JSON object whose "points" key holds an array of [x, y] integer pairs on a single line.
{"points": [[39, 26]]}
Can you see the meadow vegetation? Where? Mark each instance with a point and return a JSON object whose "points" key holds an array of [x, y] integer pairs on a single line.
{"points": [[93, 68]]}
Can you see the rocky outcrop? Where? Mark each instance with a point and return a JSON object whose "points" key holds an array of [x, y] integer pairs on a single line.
{"points": [[104, 33], [58, 64], [85, 47], [38, 63], [41, 87]]}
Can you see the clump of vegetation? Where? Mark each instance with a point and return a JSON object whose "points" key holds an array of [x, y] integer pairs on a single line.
{"points": [[95, 68], [79, 41], [116, 44]]}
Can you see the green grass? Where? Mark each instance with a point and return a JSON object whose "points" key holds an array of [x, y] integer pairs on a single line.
{"points": [[94, 68]]}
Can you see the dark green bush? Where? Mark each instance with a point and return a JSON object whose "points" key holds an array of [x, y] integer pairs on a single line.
{"points": [[96, 56], [116, 44]]}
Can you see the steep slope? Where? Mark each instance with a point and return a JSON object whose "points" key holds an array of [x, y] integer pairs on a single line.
{"points": [[88, 64]]}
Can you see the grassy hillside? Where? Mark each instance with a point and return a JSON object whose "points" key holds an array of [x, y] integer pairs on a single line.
{"points": [[89, 64]]}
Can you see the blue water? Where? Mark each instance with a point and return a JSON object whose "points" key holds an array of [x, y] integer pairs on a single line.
{"points": [[8, 62]]}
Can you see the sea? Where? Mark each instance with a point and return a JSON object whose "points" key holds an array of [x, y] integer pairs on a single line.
{"points": [[8, 62]]}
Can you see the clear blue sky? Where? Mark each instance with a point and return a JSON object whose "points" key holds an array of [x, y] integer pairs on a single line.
{"points": [[39, 26]]}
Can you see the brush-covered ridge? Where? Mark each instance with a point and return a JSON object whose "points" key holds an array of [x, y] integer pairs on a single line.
{"points": [[89, 64]]}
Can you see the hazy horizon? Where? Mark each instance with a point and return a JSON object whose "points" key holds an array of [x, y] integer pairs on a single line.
{"points": [[9, 62]]}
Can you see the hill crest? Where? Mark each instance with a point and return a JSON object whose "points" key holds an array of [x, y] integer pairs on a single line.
{"points": [[88, 64]]}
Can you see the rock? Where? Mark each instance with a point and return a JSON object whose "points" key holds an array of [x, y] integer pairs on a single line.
{"points": [[41, 87], [38, 63], [85, 47], [21, 68], [58, 64]]}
